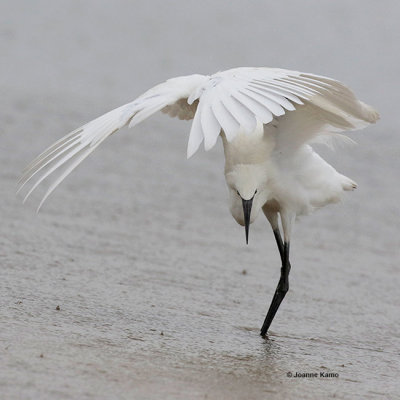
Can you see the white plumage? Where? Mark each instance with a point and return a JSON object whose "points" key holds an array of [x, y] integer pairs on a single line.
{"points": [[267, 118]]}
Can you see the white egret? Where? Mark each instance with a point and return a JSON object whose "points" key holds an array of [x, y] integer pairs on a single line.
{"points": [[266, 118]]}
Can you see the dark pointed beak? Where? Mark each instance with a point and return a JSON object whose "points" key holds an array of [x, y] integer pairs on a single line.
{"points": [[247, 211]]}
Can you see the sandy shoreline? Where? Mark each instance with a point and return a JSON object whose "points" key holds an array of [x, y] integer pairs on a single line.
{"points": [[124, 265]]}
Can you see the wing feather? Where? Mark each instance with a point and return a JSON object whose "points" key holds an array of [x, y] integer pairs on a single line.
{"points": [[226, 119], [62, 161], [257, 108], [277, 90], [196, 135], [242, 114], [210, 125], [282, 101], [47, 160], [266, 101], [68, 170], [54, 147], [73, 148], [304, 107]]}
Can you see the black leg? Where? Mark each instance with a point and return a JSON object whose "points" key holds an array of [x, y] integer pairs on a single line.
{"points": [[279, 242], [283, 284]]}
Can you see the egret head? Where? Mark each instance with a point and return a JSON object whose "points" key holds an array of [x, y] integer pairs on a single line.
{"points": [[248, 193]]}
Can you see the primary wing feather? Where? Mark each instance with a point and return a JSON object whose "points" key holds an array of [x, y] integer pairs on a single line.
{"points": [[68, 152]]}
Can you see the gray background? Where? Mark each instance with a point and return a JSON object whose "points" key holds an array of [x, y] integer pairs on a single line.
{"points": [[139, 241]]}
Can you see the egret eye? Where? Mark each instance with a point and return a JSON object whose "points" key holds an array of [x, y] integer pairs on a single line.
{"points": [[237, 191], [255, 192]]}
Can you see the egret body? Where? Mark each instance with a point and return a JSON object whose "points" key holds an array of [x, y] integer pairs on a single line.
{"points": [[267, 119]]}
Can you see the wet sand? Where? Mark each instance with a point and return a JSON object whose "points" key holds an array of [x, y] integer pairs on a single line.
{"points": [[130, 284]]}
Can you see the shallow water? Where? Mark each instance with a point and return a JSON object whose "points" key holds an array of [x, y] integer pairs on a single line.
{"points": [[137, 248]]}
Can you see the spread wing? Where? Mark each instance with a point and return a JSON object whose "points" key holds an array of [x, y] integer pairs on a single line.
{"points": [[66, 154], [302, 105]]}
